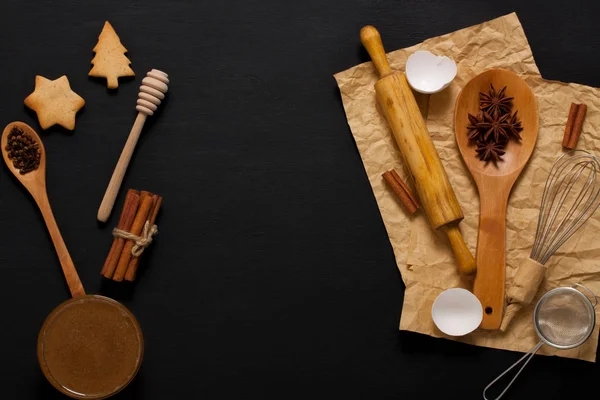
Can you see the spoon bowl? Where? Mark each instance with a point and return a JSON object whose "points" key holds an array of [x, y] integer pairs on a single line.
{"points": [[494, 182], [36, 178], [517, 154]]}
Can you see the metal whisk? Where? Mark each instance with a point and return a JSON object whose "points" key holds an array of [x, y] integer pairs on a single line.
{"points": [[571, 195]]}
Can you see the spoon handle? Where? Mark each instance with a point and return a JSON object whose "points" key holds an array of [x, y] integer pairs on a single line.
{"points": [[64, 257], [117, 177], [491, 256]]}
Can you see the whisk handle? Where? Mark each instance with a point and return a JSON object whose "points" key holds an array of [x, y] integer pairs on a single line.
{"points": [[526, 358], [525, 285]]}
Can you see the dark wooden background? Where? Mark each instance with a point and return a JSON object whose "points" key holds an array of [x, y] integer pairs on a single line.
{"points": [[272, 276]]}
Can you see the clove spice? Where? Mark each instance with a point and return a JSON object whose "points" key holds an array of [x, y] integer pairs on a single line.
{"points": [[23, 151]]}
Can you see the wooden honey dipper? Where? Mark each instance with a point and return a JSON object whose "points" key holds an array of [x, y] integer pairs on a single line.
{"points": [[154, 87]]}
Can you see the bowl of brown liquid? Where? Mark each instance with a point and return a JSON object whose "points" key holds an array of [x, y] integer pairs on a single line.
{"points": [[90, 347]]}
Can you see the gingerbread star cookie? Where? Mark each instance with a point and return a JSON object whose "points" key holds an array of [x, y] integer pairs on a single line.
{"points": [[110, 61], [54, 102]]}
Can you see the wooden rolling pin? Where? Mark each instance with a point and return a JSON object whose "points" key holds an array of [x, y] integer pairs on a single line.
{"points": [[405, 119]]}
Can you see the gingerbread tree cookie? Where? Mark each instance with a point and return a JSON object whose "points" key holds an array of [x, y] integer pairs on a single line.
{"points": [[110, 61], [54, 102]]}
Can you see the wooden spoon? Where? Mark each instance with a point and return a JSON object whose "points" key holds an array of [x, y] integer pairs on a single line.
{"points": [[105, 328], [35, 183], [494, 183]]}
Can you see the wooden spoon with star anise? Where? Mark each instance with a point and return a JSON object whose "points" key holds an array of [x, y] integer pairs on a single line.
{"points": [[494, 177]]}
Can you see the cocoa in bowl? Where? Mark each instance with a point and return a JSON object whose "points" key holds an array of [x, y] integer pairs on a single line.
{"points": [[90, 347]]}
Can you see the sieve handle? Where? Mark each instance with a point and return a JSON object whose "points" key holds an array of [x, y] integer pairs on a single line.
{"points": [[527, 357], [579, 285]]}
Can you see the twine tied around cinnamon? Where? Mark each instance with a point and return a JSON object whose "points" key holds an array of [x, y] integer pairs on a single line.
{"points": [[141, 242]]}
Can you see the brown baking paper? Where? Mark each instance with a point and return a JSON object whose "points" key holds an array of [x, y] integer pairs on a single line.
{"points": [[423, 257]]}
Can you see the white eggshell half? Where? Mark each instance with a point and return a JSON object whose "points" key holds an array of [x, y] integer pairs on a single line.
{"points": [[457, 312], [428, 73]]}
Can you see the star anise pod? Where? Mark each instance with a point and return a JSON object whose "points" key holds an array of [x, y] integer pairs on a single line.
{"points": [[473, 130], [490, 151], [494, 127], [492, 101], [514, 127]]}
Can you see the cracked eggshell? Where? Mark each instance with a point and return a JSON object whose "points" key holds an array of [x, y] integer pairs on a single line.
{"points": [[457, 312], [428, 73]]}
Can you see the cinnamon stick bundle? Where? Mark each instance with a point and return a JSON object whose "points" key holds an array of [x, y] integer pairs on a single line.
{"points": [[402, 191], [574, 125], [132, 201], [133, 263], [139, 211]]}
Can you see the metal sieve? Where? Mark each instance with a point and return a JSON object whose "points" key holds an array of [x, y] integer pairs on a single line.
{"points": [[564, 318]]}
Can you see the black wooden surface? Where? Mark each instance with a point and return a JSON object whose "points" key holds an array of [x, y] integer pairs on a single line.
{"points": [[272, 276]]}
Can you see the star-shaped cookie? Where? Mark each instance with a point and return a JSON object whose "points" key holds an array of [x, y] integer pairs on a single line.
{"points": [[54, 102]]}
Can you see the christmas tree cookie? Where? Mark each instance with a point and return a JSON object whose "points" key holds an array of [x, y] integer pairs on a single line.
{"points": [[110, 61]]}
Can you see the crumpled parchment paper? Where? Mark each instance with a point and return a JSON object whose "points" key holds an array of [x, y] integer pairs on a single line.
{"points": [[423, 257]]}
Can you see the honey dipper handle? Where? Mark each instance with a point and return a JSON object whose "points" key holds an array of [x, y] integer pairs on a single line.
{"points": [[117, 177], [464, 258], [152, 91], [370, 38], [71, 276]]}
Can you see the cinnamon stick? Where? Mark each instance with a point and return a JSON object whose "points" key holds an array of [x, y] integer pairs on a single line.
{"points": [[574, 125], [406, 188], [134, 262], [130, 207], [577, 126], [136, 228], [569, 125], [402, 191]]}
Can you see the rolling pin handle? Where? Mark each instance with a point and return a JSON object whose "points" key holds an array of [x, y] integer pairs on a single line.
{"points": [[464, 258], [370, 38]]}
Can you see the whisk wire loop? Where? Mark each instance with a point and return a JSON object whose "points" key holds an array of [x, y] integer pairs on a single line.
{"points": [[570, 197]]}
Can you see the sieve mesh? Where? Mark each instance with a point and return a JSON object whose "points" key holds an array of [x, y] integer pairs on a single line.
{"points": [[564, 318]]}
